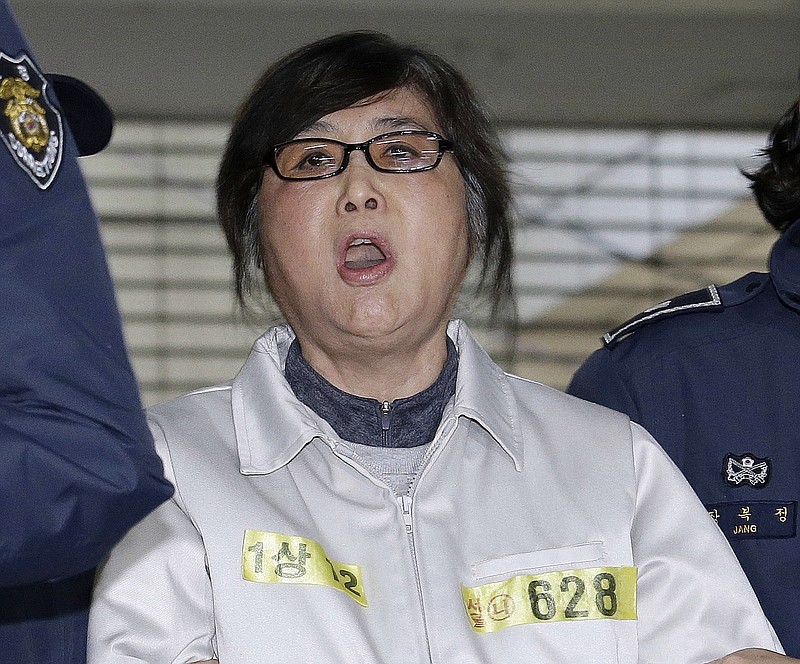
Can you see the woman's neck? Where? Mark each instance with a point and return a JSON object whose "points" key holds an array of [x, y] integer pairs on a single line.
{"points": [[381, 371]]}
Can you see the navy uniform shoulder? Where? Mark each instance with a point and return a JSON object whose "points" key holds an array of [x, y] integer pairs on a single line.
{"points": [[709, 299]]}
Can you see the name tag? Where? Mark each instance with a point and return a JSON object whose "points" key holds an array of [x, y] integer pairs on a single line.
{"points": [[756, 519], [597, 593], [276, 558]]}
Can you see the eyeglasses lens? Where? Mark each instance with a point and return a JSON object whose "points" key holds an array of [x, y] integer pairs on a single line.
{"points": [[409, 152], [309, 158]]}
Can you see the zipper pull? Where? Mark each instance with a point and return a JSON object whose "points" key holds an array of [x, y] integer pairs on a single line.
{"points": [[386, 411], [405, 506]]}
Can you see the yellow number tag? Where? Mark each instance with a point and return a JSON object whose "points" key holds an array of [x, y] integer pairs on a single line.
{"points": [[276, 558], [598, 593]]}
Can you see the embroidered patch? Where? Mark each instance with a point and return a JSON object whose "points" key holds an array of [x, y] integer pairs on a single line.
{"points": [[756, 519], [597, 593], [706, 299], [746, 470], [30, 125], [275, 558]]}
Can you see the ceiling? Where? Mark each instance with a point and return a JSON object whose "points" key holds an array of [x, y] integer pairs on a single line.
{"points": [[618, 63]]}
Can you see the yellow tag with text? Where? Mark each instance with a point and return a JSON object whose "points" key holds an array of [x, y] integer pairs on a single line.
{"points": [[276, 558], [597, 593]]}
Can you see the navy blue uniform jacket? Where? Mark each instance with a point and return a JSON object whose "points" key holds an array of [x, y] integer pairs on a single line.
{"points": [[78, 466], [715, 377]]}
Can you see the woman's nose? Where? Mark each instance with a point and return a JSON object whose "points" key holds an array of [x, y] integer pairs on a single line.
{"points": [[361, 186], [369, 204]]}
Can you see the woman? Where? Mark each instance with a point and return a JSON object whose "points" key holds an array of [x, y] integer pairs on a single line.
{"points": [[371, 487]]}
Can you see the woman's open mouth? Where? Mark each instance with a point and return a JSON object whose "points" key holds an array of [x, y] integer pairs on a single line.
{"points": [[364, 259], [362, 253]]}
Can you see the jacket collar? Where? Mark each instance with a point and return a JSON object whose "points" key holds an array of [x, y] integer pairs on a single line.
{"points": [[483, 393], [784, 265], [272, 425]]}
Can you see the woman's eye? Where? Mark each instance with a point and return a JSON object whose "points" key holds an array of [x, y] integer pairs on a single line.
{"points": [[400, 153], [315, 161]]}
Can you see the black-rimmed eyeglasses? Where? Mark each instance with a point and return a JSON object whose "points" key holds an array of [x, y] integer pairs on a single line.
{"points": [[407, 151]]}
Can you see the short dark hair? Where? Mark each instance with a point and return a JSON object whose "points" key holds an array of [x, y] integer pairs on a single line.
{"points": [[335, 73], [776, 185]]}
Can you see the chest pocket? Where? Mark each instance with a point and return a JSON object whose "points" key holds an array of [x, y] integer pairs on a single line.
{"points": [[565, 557]]}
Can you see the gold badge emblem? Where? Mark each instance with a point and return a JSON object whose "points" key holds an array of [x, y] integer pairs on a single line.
{"points": [[30, 125], [27, 116]]}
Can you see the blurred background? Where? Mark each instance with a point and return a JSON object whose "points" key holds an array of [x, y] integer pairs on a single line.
{"points": [[627, 122]]}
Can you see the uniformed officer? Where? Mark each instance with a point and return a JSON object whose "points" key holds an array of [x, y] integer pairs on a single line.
{"points": [[714, 375], [78, 465]]}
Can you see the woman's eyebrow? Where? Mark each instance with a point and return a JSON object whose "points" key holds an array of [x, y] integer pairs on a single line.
{"points": [[318, 127], [399, 122]]}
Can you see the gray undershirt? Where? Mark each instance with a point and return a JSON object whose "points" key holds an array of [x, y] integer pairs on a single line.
{"points": [[397, 466]]}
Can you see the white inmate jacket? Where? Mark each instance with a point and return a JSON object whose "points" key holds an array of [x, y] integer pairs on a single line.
{"points": [[516, 544]]}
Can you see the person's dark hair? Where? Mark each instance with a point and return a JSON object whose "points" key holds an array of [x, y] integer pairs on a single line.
{"points": [[776, 185], [341, 71]]}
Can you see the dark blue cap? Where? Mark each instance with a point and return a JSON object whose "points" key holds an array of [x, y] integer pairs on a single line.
{"points": [[90, 118]]}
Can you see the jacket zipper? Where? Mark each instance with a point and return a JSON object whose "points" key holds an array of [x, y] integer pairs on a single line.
{"points": [[386, 420], [406, 504], [405, 507]]}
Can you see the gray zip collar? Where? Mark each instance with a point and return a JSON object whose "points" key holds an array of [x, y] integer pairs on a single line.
{"points": [[406, 422]]}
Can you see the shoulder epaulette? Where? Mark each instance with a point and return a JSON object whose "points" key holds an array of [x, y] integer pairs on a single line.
{"points": [[706, 299]]}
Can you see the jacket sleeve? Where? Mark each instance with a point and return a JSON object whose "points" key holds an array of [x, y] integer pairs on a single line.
{"points": [[693, 597], [598, 381], [152, 600], [78, 465]]}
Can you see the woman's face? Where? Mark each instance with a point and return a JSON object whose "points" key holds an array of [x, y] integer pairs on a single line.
{"points": [[366, 255]]}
